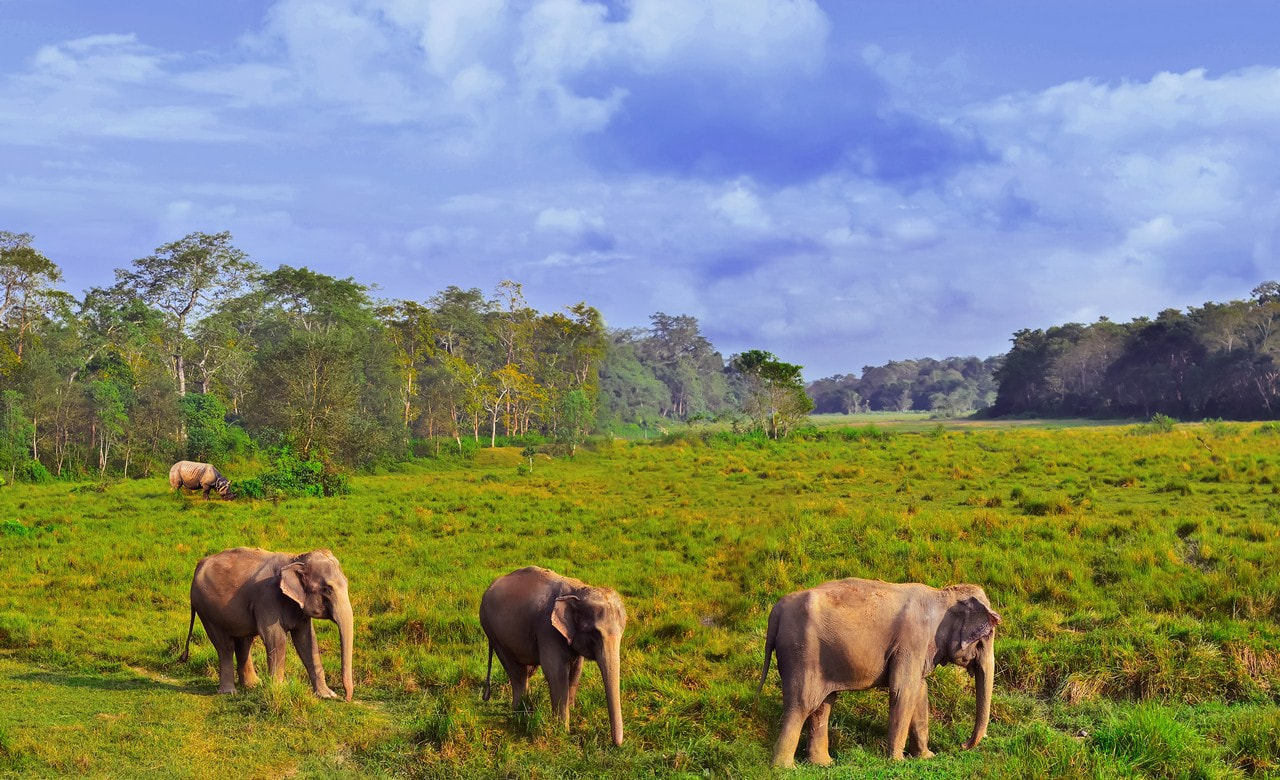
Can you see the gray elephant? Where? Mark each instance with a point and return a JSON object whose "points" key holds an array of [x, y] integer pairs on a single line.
{"points": [[849, 635], [534, 617], [242, 593], [198, 476]]}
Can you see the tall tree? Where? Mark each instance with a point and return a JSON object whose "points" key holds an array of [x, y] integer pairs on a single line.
{"points": [[27, 284], [410, 329], [183, 279], [775, 398]]}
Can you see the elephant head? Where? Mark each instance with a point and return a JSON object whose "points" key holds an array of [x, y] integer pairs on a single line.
{"points": [[592, 621], [316, 583], [966, 638]]}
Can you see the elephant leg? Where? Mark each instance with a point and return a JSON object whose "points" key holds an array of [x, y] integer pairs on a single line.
{"points": [[225, 646], [517, 673], [918, 742], [784, 750], [244, 662], [904, 689], [575, 677], [558, 671], [818, 732], [304, 640], [276, 640]]}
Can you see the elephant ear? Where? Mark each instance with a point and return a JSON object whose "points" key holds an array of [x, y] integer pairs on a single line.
{"points": [[979, 624], [562, 616], [291, 582]]}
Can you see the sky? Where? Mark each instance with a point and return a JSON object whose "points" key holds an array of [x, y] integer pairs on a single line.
{"points": [[839, 182]]}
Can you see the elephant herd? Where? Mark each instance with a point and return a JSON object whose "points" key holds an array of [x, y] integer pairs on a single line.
{"points": [[844, 635]]}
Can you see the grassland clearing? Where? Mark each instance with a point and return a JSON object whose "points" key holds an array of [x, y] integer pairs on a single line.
{"points": [[1136, 573]]}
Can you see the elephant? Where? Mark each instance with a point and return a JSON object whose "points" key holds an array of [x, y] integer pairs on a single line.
{"points": [[246, 592], [534, 617], [854, 634], [198, 476]]}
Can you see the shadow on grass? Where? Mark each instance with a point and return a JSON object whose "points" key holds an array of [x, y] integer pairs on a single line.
{"points": [[68, 680]]}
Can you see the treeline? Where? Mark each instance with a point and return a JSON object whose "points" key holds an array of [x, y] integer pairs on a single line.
{"points": [[1221, 360], [952, 386], [196, 351]]}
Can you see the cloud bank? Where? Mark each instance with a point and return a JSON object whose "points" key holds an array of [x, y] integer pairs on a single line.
{"points": [[744, 161]]}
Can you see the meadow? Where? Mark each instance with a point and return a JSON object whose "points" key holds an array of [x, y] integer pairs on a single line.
{"points": [[1136, 569]]}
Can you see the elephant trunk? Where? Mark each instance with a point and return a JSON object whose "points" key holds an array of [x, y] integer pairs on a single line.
{"points": [[609, 662], [983, 682], [346, 633]]}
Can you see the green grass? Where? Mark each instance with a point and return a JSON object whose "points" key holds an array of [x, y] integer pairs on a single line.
{"points": [[1136, 575]]}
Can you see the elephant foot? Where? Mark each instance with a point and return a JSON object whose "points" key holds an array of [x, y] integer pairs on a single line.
{"points": [[226, 688], [784, 763], [823, 760], [926, 753], [326, 693]]}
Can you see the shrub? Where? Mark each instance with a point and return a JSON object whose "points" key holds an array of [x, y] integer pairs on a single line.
{"points": [[290, 475], [442, 447], [34, 472], [205, 419], [1178, 486]]}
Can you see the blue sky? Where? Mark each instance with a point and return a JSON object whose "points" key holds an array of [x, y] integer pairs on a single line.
{"points": [[841, 183]]}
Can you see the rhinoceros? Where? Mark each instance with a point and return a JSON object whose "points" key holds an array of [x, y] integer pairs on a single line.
{"points": [[198, 476]]}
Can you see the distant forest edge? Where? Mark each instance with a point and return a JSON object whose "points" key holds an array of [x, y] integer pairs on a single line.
{"points": [[1219, 360], [196, 351]]}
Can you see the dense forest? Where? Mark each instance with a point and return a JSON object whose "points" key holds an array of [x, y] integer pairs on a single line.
{"points": [[950, 387], [195, 351], [1217, 360]]}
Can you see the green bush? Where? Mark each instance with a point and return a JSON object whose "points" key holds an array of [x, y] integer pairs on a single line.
{"points": [[205, 419], [33, 472], [442, 447], [291, 476], [1159, 423]]}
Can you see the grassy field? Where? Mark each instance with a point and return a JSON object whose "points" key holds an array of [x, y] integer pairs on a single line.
{"points": [[1137, 573]]}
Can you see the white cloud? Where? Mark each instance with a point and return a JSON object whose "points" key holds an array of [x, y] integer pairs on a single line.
{"points": [[756, 36], [742, 208], [567, 220]]}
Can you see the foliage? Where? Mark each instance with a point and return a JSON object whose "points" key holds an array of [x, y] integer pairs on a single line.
{"points": [[293, 476], [1218, 360], [950, 387], [204, 417], [775, 398]]}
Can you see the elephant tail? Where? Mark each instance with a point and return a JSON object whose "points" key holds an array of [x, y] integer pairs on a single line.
{"points": [[770, 641], [186, 651], [487, 675]]}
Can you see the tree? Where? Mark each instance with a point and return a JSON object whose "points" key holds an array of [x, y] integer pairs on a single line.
{"points": [[27, 280], [183, 279], [15, 433], [776, 399], [684, 360], [205, 419], [323, 379], [410, 329], [576, 415]]}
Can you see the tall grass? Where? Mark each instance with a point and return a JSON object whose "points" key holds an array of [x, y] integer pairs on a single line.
{"points": [[1140, 631]]}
